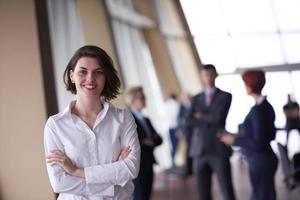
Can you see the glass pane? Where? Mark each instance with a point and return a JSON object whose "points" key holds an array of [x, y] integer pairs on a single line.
{"points": [[258, 50], [241, 102], [204, 17], [291, 43], [288, 14], [278, 97], [295, 78], [249, 15], [216, 50], [254, 40]]}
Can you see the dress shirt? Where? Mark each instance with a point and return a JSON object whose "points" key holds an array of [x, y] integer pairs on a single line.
{"points": [[209, 92], [97, 151]]}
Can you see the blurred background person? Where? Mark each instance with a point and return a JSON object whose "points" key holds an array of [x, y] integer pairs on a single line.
{"points": [[172, 108], [257, 132], [149, 139], [207, 116], [183, 129], [291, 111]]}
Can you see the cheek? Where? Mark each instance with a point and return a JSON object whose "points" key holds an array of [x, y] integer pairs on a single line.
{"points": [[206, 80], [142, 103], [102, 82]]}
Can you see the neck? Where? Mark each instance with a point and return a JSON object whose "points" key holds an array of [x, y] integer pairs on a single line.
{"points": [[256, 97], [209, 87], [88, 106]]}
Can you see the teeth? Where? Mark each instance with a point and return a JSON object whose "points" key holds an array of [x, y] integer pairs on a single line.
{"points": [[90, 86]]}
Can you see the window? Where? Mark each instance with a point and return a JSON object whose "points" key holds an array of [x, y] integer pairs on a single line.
{"points": [[234, 35]]}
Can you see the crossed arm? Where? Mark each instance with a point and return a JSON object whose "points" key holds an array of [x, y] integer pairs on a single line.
{"points": [[58, 157]]}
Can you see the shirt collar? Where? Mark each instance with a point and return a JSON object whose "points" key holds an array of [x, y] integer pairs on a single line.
{"points": [[101, 114], [209, 91], [138, 115], [67, 110]]}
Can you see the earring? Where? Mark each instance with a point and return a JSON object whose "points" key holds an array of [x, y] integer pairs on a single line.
{"points": [[72, 81]]}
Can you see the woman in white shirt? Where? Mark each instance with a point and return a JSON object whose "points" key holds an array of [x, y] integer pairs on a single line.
{"points": [[92, 148]]}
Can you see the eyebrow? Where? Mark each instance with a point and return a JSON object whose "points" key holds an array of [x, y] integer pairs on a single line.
{"points": [[98, 68]]}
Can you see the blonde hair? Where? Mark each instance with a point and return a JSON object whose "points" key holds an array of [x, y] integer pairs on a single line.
{"points": [[131, 93]]}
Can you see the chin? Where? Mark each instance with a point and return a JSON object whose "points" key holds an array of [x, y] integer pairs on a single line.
{"points": [[91, 94]]}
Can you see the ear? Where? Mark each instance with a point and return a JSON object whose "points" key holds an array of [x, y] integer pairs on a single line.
{"points": [[71, 74]]}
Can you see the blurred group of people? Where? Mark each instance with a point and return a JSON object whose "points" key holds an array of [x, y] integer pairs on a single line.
{"points": [[176, 113], [95, 150], [209, 144]]}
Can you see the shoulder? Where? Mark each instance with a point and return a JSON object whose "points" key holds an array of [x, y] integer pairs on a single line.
{"points": [[257, 111], [52, 120], [268, 107], [121, 114], [224, 93], [61, 116], [197, 96], [57, 116]]}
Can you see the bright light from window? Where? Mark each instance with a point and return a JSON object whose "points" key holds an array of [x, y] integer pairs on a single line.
{"points": [[235, 34], [288, 14], [257, 50], [250, 33]]}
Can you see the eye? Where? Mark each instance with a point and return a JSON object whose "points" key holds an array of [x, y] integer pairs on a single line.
{"points": [[82, 72], [99, 72]]}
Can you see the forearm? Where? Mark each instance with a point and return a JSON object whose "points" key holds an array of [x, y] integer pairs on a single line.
{"points": [[116, 173], [62, 182], [79, 172], [250, 143]]}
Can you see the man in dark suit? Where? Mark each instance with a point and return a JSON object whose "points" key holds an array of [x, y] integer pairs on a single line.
{"points": [[148, 138], [207, 116]]}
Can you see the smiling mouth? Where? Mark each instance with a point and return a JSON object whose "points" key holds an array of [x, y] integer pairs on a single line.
{"points": [[90, 87]]}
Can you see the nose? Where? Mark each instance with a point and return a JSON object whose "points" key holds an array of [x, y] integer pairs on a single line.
{"points": [[91, 77]]}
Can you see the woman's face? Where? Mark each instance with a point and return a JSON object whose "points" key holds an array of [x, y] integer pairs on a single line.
{"points": [[139, 101], [88, 77]]}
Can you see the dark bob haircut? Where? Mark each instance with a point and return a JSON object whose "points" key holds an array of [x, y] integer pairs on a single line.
{"points": [[112, 82], [255, 80]]}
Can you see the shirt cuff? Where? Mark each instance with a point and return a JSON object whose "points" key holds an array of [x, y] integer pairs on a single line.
{"points": [[99, 189], [94, 190]]}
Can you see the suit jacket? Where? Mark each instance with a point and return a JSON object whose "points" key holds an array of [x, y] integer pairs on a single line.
{"points": [[182, 116], [258, 130], [204, 138], [147, 157]]}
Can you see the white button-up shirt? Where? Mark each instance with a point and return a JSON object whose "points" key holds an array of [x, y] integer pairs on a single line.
{"points": [[96, 150], [172, 110]]}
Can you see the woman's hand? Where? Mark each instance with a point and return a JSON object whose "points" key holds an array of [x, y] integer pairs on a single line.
{"points": [[124, 153], [57, 157], [228, 139]]}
